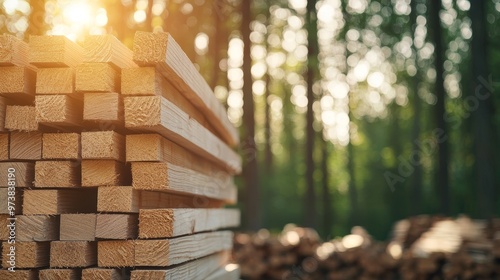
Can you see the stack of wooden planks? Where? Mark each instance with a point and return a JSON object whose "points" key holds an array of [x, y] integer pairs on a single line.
{"points": [[119, 162]]}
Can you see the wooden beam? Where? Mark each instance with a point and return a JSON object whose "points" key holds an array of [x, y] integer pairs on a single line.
{"points": [[28, 254], [125, 199], [55, 81], [57, 174], [115, 253], [13, 51], [103, 145], [166, 252], [116, 226], [97, 77], [162, 223], [21, 118], [4, 230], [61, 146], [104, 108], [4, 201], [37, 228], [54, 51], [25, 145], [17, 83], [58, 110], [103, 173], [98, 273], [160, 49], [228, 272], [20, 274], [59, 201], [3, 105], [59, 274], [157, 114], [161, 176], [107, 48], [4, 146], [24, 172], [78, 227], [73, 253]]}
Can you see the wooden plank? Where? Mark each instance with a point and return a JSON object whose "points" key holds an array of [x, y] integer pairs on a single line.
{"points": [[59, 201], [4, 201], [157, 114], [103, 173], [97, 77], [58, 110], [107, 48], [104, 108], [116, 226], [17, 83], [24, 172], [160, 49], [194, 270], [103, 145], [57, 174], [228, 272], [162, 223], [37, 228], [78, 227], [98, 273], [161, 176], [115, 253], [27, 254], [21, 118], [25, 145], [61, 146], [166, 252], [4, 146], [125, 199], [4, 229], [13, 51], [55, 81], [20, 274], [73, 253], [3, 105], [59, 274], [54, 51]]}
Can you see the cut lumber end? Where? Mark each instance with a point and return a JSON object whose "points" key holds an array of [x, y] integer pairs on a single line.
{"points": [[107, 48], [21, 118], [150, 176], [98, 273], [17, 83], [13, 51], [24, 172], [103, 173], [150, 48], [144, 147], [61, 146], [97, 77], [25, 145], [54, 51], [58, 110], [115, 253], [4, 146], [152, 252], [143, 111], [103, 145], [73, 253], [78, 227], [117, 199], [116, 226], [59, 274], [156, 223], [55, 81], [139, 81], [103, 108], [57, 174]]}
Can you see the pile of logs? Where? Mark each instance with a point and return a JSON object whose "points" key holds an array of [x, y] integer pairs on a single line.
{"points": [[422, 247]]}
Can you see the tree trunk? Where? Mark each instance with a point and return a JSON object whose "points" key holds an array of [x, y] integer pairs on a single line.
{"points": [[36, 18], [148, 23], [327, 200], [353, 192]]}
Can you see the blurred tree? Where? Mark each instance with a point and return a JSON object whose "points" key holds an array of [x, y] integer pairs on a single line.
{"points": [[36, 20]]}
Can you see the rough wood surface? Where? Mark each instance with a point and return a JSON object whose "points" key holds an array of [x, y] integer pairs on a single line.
{"points": [[107, 48], [20, 274], [58, 110], [228, 272], [73, 253], [103, 108], [125, 199], [103, 145], [4, 230], [4, 146], [97, 77], [4, 201], [37, 228], [166, 252], [60, 201], [59, 274], [78, 227], [17, 83], [161, 176], [98, 273], [115, 253], [21, 118], [103, 173], [57, 174], [162, 223], [194, 270], [25, 145], [157, 114], [116, 226], [54, 51], [2, 113], [55, 81], [61, 146], [160, 49], [13, 51], [28, 254], [24, 172]]}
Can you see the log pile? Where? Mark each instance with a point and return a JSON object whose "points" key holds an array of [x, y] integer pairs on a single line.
{"points": [[422, 247], [114, 164]]}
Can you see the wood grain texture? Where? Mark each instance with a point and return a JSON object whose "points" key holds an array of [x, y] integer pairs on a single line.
{"points": [[103, 107], [160, 49], [115, 253], [20, 274], [107, 48], [166, 252], [98, 273], [61, 146], [125, 199], [161, 176], [59, 201], [37, 228], [57, 174], [4, 201], [24, 172], [97, 77], [103, 145], [3, 105], [4, 230], [54, 51], [117, 226], [21, 118], [103, 173], [55, 81], [25, 145], [157, 114], [194, 270], [4, 146], [13, 51], [17, 83], [228, 272], [58, 110], [163, 223], [59, 274], [78, 227], [28, 254], [73, 253]]}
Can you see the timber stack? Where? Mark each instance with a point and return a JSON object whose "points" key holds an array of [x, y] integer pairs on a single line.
{"points": [[119, 162]]}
